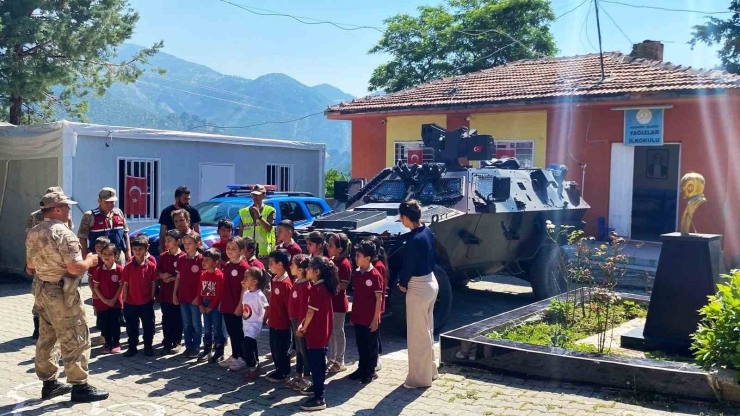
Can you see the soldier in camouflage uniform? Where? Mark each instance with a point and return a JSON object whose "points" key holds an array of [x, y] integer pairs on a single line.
{"points": [[33, 220], [54, 255]]}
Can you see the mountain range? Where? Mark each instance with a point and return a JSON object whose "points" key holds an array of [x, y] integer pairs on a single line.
{"points": [[193, 96]]}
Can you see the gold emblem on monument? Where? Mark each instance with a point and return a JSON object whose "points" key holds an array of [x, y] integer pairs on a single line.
{"points": [[692, 189]]}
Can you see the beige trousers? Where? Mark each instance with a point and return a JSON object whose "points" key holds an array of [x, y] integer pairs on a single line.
{"points": [[420, 298], [61, 319]]}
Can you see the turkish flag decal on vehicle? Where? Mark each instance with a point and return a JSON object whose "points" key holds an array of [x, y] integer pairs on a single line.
{"points": [[136, 191], [416, 156]]}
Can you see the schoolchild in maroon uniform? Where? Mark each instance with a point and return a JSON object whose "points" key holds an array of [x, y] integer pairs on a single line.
{"points": [[185, 294], [368, 298], [380, 262], [285, 230], [139, 281], [225, 232], [277, 316], [108, 286], [316, 244], [297, 306], [209, 298], [338, 249], [316, 327], [230, 306], [97, 304], [249, 252], [167, 269]]}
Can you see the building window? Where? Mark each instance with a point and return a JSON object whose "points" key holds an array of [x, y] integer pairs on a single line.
{"points": [[403, 148], [522, 150], [138, 188], [281, 176]]}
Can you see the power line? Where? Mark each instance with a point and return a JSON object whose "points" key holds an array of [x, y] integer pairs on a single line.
{"points": [[615, 24], [588, 36], [258, 124], [667, 9], [583, 26], [342, 26], [571, 10], [211, 97], [598, 30], [205, 87]]}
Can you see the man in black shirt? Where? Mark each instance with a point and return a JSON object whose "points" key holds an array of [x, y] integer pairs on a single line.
{"points": [[182, 201]]}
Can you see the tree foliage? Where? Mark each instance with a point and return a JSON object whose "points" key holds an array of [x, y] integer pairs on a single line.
{"points": [[332, 176], [722, 32], [55, 52], [461, 36]]}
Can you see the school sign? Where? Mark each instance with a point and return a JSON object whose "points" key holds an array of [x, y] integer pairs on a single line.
{"points": [[643, 127]]}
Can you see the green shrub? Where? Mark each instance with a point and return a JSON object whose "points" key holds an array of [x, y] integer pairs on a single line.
{"points": [[717, 341], [559, 311]]}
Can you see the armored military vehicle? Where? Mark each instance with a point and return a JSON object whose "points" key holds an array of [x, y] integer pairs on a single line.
{"points": [[486, 219]]}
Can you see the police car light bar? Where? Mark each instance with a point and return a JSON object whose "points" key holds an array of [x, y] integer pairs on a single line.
{"points": [[237, 187]]}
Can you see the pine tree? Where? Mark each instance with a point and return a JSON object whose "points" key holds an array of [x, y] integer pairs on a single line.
{"points": [[55, 52]]}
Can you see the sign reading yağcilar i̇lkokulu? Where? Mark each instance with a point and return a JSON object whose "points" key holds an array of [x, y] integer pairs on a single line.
{"points": [[643, 127]]}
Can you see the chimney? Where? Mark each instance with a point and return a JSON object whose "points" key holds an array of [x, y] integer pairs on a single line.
{"points": [[648, 49]]}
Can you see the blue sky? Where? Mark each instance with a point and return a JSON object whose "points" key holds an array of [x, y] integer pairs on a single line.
{"points": [[235, 42]]}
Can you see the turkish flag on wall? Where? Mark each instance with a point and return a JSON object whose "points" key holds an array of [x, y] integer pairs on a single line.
{"points": [[136, 190], [415, 156]]}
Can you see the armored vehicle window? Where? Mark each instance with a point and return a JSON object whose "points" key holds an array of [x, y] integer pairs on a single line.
{"points": [[388, 191], [441, 190]]}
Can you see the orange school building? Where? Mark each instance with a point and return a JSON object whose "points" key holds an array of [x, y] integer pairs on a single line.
{"points": [[560, 110]]}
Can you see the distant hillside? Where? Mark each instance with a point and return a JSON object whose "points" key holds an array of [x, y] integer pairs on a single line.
{"points": [[191, 95]]}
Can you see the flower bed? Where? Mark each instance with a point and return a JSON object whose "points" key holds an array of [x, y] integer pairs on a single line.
{"points": [[562, 325]]}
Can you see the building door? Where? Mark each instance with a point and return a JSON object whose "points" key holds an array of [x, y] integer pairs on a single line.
{"points": [[655, 191], [620, 194], [214, 178]]}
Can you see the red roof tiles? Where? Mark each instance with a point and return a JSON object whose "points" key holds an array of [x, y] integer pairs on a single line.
{"points": [[548, 78]]}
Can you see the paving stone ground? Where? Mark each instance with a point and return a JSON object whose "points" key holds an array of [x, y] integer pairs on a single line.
{"points": [[173, 386]]}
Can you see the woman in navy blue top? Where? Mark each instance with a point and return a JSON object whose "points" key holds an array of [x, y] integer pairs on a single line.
{"points": [[416, 279]]}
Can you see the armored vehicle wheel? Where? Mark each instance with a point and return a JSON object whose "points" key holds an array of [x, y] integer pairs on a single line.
{"points": [[546, 273], [441, 307], [459, 282]]}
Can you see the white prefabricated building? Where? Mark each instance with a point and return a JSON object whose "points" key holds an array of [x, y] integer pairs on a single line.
{"points": [[83, 158]]}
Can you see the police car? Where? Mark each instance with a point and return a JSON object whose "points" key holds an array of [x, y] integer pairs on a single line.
{"points": [[300, 207]]}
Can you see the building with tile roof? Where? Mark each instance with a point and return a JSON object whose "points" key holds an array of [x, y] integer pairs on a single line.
{"points": [[561, 111]]}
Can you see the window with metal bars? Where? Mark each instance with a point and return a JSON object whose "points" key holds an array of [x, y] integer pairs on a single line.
{"points": [[522, 150], [138, 188], [403, 148], [280, 176]]}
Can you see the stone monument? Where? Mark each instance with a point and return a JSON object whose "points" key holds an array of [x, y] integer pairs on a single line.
{"points": [[688, 271]]}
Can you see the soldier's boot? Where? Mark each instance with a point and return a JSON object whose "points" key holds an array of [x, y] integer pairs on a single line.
{"points": [[85, 393], [206, 353], [35, 328], [218, 354], [54, 388]]}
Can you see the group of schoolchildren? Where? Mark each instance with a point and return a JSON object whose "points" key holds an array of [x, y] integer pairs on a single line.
{"points": [[226, 290]]}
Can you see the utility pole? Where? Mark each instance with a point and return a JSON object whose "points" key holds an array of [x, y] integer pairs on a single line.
{"points": [[598, 28]]}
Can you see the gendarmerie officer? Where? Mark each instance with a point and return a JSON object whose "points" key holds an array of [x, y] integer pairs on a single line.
{"points": [[53, 253], [34, 219]]}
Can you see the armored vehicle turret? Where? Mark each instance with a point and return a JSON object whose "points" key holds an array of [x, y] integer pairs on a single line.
{"points": [[486, 219]]}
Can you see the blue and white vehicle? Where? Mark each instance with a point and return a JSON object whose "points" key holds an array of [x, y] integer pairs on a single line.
{"points": [[300, 207]]}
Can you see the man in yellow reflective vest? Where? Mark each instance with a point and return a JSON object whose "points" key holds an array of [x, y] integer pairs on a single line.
{"points": [[257, 222]]}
